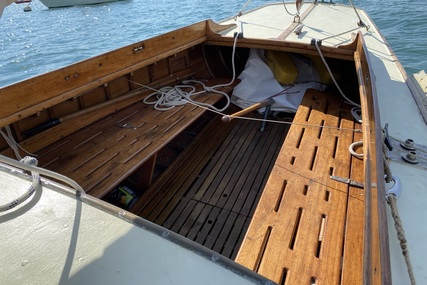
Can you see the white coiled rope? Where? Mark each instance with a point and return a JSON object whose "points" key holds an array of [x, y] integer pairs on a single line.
{"points": [[35, 185], [42, 171], [29, 163], [169, 97]]}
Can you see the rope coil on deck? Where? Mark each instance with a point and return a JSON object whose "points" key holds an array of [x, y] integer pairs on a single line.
{"points": [[168, 97], [35, 185], [29, 163], [43, 171]]}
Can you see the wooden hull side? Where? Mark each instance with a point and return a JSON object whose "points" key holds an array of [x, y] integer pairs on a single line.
{"points": [[41, 92], [376, 255]]}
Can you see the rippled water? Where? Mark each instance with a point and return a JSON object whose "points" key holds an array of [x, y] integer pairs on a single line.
{"points": [[35, 42]]}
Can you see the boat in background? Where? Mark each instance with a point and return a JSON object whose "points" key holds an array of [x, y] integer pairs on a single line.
{"points": [[262, 149], [67, 3]]}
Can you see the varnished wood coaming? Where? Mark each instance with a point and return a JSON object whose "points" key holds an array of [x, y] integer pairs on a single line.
{"points": [[376, 254]]}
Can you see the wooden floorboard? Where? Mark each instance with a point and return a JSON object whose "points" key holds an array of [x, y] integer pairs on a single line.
{"points": [[298, 232], [209, 199]]}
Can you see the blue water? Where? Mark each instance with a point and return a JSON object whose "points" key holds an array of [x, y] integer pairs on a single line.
{"points": [[35, 42]]}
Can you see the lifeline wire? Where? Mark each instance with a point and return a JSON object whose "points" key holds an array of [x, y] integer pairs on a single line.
{"points": [[279, 122]]}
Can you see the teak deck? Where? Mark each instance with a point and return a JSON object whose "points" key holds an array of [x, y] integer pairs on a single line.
{"points": [[308, 228]]}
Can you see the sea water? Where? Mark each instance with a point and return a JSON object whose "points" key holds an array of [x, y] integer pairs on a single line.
{"points": [[32, 43]]}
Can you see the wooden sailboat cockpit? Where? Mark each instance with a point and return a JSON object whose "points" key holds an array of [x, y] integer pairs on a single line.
{"points": [[279, 192]]}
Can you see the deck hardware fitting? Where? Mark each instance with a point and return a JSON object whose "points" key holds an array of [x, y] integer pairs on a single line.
{"points": [[408, 144], [313, 42], [408, 152], [396, 189], [348, 181], [266, 113], [298, 29], [410, 157], [387, 140], [125, 126], [138, 48]]}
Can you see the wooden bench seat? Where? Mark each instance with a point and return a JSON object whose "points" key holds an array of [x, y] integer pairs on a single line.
{"points": [[102, 154], [308, 228], [205, 195]]}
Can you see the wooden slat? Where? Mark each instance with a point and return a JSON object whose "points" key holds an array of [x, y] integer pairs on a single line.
{"points": [[203, 189], [217, 218], [297, 232], [160, 199], [101, 155], [352, 271]]}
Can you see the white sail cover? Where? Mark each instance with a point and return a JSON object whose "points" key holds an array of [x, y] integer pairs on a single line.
{"points": [[258, 84]]}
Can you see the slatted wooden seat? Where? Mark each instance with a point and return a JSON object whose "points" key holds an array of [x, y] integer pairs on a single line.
{"points": [[102, 154], [308, 228], [205, 195]]}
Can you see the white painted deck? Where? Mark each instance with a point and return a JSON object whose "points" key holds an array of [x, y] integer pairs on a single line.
{"points": [[54, 238]]}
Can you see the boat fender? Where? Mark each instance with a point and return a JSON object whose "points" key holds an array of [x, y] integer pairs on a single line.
{"points": [[282, 66], [396, 189]]}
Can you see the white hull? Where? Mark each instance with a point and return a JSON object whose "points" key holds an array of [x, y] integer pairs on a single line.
{"points": [[85, 241], [66, 3]]}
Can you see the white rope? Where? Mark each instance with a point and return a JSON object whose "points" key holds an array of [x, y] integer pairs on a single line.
{"points": [[332, 76], [8, 137], [353, 152], [356, 112], [287, 11], [169, 97], [35, 185], [44, 172]]}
